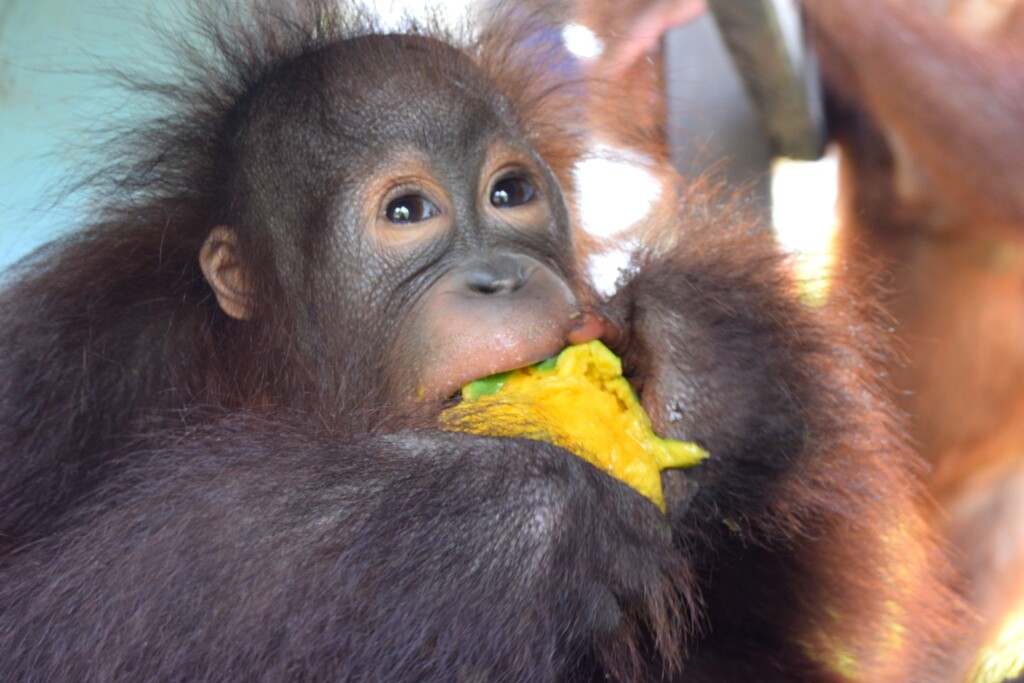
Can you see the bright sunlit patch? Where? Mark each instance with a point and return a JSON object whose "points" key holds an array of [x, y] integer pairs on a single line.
{"points": [[804, 216], [581, 41], [394, 14], [606, 268], [615, 189], [1003, 658]]}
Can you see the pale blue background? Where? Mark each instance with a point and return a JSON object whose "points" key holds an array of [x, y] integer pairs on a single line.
{"points": [[52, 94]]}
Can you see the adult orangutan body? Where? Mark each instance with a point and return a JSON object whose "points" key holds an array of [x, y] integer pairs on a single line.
{"points": [[219, 404], [927, 108], [929, 115]]}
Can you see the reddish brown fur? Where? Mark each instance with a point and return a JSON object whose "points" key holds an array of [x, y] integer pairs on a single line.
{"points": [[930, 120]]}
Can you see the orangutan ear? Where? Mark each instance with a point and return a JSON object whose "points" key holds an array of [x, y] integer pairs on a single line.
{"points": [[225, 271]]}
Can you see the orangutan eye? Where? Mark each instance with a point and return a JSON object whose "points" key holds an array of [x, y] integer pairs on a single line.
{"points": [[512, 192], [410, 208]]}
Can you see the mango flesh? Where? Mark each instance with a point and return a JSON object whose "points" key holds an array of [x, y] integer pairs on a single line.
{"points": [[579, 401]]}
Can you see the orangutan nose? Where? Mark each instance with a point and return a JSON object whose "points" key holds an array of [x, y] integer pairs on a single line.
{"points": [[499, 274]]}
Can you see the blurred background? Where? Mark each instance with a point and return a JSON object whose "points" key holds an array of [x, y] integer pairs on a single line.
{"points": [[56, 90]]}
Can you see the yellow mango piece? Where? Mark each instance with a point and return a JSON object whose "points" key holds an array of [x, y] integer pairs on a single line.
{"points": [[579, 401]]}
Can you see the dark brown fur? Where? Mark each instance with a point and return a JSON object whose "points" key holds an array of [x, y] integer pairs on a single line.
{"points": [[187, 496]]}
